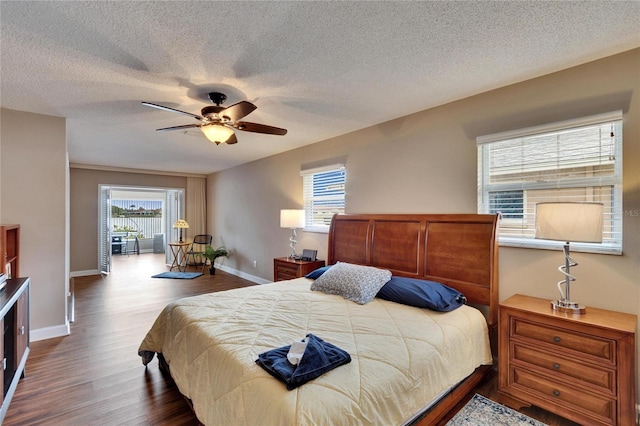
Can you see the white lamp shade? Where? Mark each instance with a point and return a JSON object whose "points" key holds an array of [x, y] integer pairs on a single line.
{"points": [[217, 133], [571, 222], [291, 218], [181, 224]]}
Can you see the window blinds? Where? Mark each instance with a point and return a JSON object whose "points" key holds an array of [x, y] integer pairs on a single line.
{"points": [[577, 160], [323, 195]]}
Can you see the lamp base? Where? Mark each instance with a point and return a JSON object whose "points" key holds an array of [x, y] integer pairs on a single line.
{"points": [[568, 307]]}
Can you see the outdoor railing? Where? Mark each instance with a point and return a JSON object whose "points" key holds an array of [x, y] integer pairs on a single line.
{"points": [[146, 227]]}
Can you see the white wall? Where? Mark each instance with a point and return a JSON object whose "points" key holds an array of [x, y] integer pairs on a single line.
{"points": [[34, 194]]}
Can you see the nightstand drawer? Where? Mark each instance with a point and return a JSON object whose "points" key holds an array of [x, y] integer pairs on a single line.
{"points": [[541, 391], [599, 348], [286, 272], [288, 269], [561, 366]]}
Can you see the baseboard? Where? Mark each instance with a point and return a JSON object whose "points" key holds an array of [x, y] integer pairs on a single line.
{"points": [[49, 332], [74, 274], [244, 275], [231, 271]]}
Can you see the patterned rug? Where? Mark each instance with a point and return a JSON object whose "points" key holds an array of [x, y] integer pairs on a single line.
{"points": [[178, 275], [483, 411]]}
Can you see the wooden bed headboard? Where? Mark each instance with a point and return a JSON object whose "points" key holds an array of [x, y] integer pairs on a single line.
{"points": [[459, 250]]}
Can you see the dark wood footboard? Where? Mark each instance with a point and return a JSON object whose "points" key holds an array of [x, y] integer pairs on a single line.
{"points": [[450, 404]]}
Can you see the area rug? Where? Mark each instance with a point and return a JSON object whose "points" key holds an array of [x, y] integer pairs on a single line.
{"points": [[483, 411], [178, 275]]}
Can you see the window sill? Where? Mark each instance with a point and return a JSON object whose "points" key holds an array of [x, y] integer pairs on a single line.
{"points": [[558, 245], [317, 229]]}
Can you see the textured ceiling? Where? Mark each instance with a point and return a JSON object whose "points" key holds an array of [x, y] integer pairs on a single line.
{"points": [[318, 69]]}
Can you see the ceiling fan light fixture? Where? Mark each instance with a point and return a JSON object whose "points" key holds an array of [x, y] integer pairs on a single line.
{"points": [[216, 133], [217, 123]]}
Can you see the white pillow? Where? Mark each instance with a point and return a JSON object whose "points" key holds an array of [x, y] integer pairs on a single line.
{"points": [[357, 283]]}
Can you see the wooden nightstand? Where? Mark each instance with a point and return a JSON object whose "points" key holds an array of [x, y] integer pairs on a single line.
{"points": [[579, 367], [288, 269]]}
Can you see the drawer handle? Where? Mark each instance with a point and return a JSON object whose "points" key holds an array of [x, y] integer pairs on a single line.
{"points": [[556, 339], [556, 366], [556, 393]]}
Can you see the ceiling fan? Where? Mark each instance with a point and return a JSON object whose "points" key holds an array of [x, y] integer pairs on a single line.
{"points": [[217, 122]]}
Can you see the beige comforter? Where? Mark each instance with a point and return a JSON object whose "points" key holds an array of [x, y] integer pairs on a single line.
{"points": [[402, 357]]}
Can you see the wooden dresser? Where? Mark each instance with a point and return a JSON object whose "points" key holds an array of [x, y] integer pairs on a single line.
{"points": [[579, 367], [287, 269], [14, 339], [10, 250]]}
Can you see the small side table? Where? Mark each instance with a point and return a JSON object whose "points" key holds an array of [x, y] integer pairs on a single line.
{"points": [[581, 367], [179, 256], [285, 268]]}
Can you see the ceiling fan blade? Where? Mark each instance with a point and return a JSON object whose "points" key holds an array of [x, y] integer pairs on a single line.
{"points": [[231, 140], [186, 126], [237, 111], [164, 108], [259, 128]]}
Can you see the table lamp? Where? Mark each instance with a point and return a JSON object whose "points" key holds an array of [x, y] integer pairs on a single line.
{"points": [[564, 221], [181, 224], [292, 219]]}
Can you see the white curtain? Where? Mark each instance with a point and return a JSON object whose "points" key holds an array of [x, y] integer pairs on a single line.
{"points": [[196, 212]]}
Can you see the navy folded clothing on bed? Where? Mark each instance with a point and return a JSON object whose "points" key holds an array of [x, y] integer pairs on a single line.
{"points": [[319, 357]]}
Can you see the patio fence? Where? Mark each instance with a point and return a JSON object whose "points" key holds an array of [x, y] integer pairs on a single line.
{"points": [[145, 226]]}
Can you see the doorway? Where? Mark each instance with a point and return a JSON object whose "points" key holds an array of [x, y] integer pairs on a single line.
{"points": [[139, 218]]}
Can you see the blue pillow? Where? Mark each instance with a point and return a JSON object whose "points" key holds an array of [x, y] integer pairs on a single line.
{"points": [[318, 272], [422, 294]]}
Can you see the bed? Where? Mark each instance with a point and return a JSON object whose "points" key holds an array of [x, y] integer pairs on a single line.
{"points": [[408, 365]]}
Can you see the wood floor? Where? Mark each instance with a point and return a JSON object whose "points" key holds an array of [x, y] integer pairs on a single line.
{"points": [[95, 377]]}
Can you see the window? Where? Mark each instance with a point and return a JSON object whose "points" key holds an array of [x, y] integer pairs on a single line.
{"points": [[142, 216], [323, 195], [575, 160]]}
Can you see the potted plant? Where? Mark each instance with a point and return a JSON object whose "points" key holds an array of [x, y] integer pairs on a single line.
{"points": [[212, 254]]}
